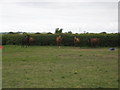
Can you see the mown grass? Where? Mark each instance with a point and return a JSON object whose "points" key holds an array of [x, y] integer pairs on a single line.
{"points": [[67, 67]]}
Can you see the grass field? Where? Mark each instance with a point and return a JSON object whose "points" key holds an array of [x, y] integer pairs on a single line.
{"points": [[67, 67]]}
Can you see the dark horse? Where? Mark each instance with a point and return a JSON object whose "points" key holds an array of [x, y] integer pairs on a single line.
{"points": [[59, 41], [76, 41], [94, 42], [27, 40]]}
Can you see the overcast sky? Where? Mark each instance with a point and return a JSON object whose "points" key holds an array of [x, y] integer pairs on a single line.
{"points": [[72, 15]]}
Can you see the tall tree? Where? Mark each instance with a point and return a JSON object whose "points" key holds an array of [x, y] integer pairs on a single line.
{"points": [[57, 30], [70, 32]]}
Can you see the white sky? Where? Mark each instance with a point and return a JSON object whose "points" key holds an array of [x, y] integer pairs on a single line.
{"points": [[71, 15]]}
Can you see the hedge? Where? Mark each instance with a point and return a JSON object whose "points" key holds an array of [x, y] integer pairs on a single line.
{"points": [[49, 39]]}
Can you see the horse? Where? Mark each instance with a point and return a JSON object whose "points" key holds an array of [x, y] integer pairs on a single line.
{"points": [[76, 41], [59, 41], [27, 40], [31, 41], [94, 42]]}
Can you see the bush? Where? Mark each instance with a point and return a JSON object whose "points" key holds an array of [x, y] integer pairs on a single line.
{"points": [[107, 40]]}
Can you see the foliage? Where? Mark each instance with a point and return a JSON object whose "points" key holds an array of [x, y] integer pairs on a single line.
{"points": [[57, 30], [70, 32], [67, 39]]}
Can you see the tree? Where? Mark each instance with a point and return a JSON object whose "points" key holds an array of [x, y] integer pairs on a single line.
{"points": [[103, 32], [57, 30], [60, 31], [11, 33], [70, 32], [49, 33], [37, 33]]}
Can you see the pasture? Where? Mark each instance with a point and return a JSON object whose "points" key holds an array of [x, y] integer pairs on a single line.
{"points": [[53, 67]]}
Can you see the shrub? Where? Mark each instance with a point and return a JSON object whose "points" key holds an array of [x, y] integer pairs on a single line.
{"points": [[109, 40]]}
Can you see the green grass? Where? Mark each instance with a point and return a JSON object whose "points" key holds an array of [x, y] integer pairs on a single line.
{"points": [[67, 67]]}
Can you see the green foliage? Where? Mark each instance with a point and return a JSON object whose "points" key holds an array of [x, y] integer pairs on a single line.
{"points": [[106, 40], [57, 30], [70, 32]]}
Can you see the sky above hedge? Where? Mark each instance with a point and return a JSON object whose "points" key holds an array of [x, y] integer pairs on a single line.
{"points": [[71, 15]]}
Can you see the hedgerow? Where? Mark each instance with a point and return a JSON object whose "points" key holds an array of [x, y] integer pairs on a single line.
{"points": [[67, 39]]}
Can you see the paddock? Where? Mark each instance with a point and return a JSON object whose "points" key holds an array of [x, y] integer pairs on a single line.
{"points": [[51, 67]]}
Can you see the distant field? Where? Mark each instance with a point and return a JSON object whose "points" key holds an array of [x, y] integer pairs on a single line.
{"points": [[67, 67]]}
